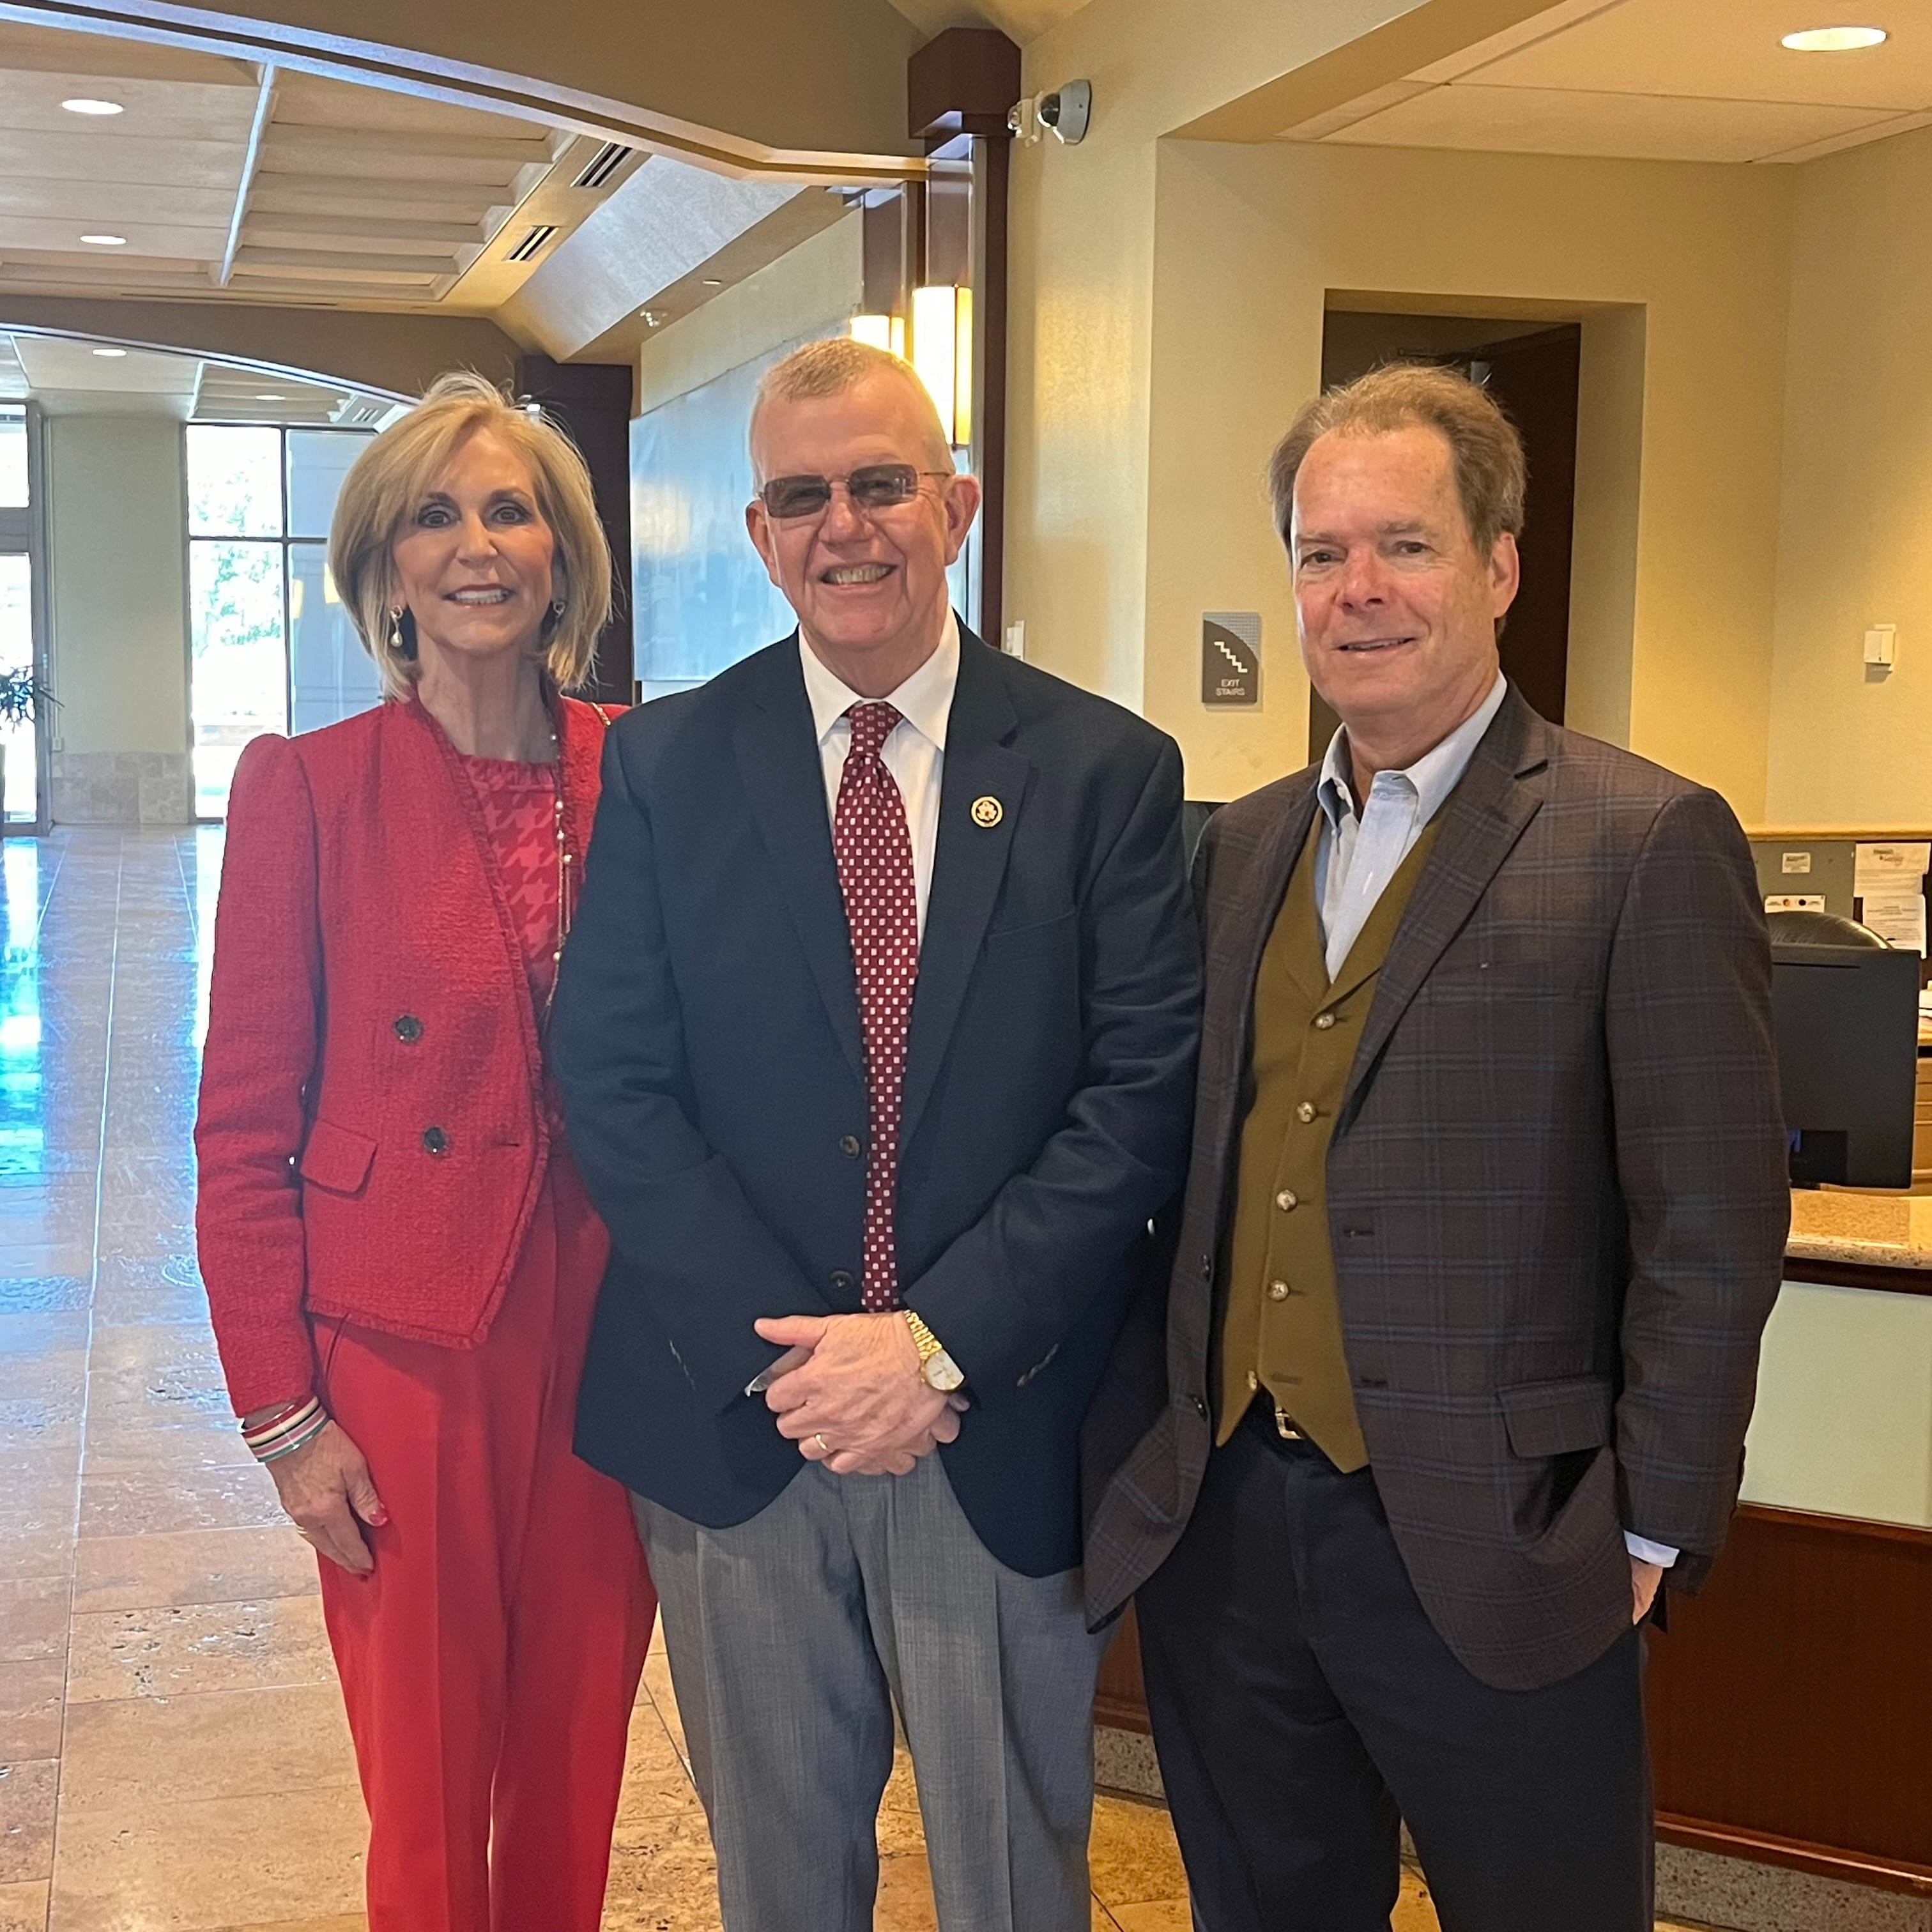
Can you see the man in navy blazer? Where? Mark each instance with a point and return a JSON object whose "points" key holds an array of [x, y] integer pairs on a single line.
{"points": [[876, 1030]]}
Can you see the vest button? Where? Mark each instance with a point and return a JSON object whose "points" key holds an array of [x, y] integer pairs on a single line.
{"points": [[842, 1281], [848, 1145], [1287, 1199], [1305, 1112], [1323, 1021], [409, 1029], [435, 1141], [1277, 1291]]}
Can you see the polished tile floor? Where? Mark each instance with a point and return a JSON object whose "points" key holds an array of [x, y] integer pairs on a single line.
{"points": [[172, 1754]]}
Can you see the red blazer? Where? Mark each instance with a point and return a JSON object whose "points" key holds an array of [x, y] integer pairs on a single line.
{"points": [[372, 1135]]}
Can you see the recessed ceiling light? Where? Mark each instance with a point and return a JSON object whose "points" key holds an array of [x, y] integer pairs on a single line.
{"points": [[110, 352], [82, 105], [105, 241], [270, 396], [713, 282], [1833, 40]]}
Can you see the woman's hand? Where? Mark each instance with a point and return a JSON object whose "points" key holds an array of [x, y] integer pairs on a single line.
{"points": [[324, 1486]]}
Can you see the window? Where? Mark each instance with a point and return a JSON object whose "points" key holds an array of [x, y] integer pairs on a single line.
{"points": [[19, 777], [13, 457], [274, 648]]}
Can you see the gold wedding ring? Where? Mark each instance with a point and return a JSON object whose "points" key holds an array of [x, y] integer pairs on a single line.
{"points": [[824, 1446]]}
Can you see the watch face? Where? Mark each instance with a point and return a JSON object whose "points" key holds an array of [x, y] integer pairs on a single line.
{"points": [[942, 1372]]}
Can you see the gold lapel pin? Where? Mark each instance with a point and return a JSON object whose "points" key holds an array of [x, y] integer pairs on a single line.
{"points": [[987, 812]]}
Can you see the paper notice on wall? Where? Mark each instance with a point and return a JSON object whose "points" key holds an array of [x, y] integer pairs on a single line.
{"points": [[1889, 883]]}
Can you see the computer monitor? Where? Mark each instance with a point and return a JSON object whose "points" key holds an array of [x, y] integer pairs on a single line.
{"points": [[1847, 1020]]}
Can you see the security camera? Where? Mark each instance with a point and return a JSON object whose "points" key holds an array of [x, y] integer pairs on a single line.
{"points": [[1068, 109], [1065, 112]]}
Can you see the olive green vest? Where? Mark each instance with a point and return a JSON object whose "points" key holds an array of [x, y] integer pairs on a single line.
{"points": [[1281, 1324]]}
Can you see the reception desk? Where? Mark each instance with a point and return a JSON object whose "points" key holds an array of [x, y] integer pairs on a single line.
{"points": [[1790, 1704]]}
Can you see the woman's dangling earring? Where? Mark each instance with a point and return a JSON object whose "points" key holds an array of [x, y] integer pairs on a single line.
{"points": [[402, 632], [555, 616]]}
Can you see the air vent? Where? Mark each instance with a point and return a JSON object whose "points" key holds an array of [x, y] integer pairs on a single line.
{"points": [[605, 163], [532, 245]]}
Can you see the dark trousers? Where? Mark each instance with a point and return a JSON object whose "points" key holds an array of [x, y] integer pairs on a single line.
{"points": [[1303, 1707]]}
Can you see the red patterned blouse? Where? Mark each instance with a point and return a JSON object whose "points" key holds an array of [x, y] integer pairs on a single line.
{"points": [[519, 805]]}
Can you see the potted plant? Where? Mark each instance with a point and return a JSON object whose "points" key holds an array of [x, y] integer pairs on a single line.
{"points": [[21, 694]]}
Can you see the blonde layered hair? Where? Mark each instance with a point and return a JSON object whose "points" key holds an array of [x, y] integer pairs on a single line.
{"points": [[387, 482]]}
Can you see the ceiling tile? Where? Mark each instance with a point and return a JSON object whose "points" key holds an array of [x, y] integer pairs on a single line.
{"points": [[1523, 34], [56, 50], [1728, 49], [59, 362], [1532, 120], [151, 241], [136, 163], [154, 109]]}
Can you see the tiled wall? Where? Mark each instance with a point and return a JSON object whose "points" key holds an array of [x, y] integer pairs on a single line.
{"points": [[123, 788]]}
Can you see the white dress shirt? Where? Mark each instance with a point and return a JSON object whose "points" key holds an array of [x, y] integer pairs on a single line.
{"points": [[1356, 857], [914, 751]]}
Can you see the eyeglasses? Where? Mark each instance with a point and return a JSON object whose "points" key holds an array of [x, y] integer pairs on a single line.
{"points": [[878, 486]]}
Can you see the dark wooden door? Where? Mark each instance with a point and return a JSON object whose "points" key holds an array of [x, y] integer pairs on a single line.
{"points": [[1534, 378]]}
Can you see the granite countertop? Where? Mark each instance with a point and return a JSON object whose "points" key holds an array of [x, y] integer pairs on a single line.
{"points": [[1871, 1230]]}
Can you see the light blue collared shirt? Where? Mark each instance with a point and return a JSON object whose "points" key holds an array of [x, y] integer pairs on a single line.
{"points": [[1356, 857]]}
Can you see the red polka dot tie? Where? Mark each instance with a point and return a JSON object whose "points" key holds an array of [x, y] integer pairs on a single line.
{"points": [[874, 854]]}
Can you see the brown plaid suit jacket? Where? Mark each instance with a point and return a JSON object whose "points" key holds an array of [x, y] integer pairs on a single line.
{"points": [[1556, 1189]]}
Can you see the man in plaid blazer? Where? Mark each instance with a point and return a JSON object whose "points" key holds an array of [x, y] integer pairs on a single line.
{"points": [[1486, 1213]]}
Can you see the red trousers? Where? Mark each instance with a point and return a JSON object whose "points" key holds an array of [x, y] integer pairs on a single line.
{"points": [[490, 1661]]}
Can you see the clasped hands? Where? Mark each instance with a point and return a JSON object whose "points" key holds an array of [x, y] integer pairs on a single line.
{"points": [[849, 1392]]}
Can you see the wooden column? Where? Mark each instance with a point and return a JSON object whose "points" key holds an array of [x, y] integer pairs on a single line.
{"points": [[959, 87], [591, 402]]}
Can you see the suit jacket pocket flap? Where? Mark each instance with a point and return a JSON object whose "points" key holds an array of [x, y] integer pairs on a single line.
{"points": [[1550, 1418], [336, 1158]]}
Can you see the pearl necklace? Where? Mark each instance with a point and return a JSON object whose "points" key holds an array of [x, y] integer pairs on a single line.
{"points": [[565, 860]]}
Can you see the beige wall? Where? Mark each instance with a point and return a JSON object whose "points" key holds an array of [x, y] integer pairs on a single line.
{"points": [[1847, 749], [1676, 638], [1168, 305], [117, 602], [1081, 345]]}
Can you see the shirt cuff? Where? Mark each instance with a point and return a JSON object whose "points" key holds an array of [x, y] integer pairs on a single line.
{"points": [[1642, 1548]]}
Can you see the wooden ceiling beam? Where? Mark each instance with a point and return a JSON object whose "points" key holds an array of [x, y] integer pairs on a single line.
{"points": [[289, 139], [295, 231], [251, 159]]}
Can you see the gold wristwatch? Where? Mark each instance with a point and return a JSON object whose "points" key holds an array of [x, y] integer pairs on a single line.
{"points": [[937, 1368]]}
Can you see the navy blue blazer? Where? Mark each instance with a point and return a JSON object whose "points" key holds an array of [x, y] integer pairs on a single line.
{"points": [[706, 1036]]}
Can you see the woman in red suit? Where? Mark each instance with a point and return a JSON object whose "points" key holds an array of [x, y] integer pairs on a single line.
{"points": [[401, 1260]]}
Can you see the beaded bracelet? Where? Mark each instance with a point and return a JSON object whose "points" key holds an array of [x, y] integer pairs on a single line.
{"points": [[293, 1427]]}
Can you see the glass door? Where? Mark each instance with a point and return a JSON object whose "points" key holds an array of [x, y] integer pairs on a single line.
{"points": [[240, 685], [274, 648], [19, 747]]}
